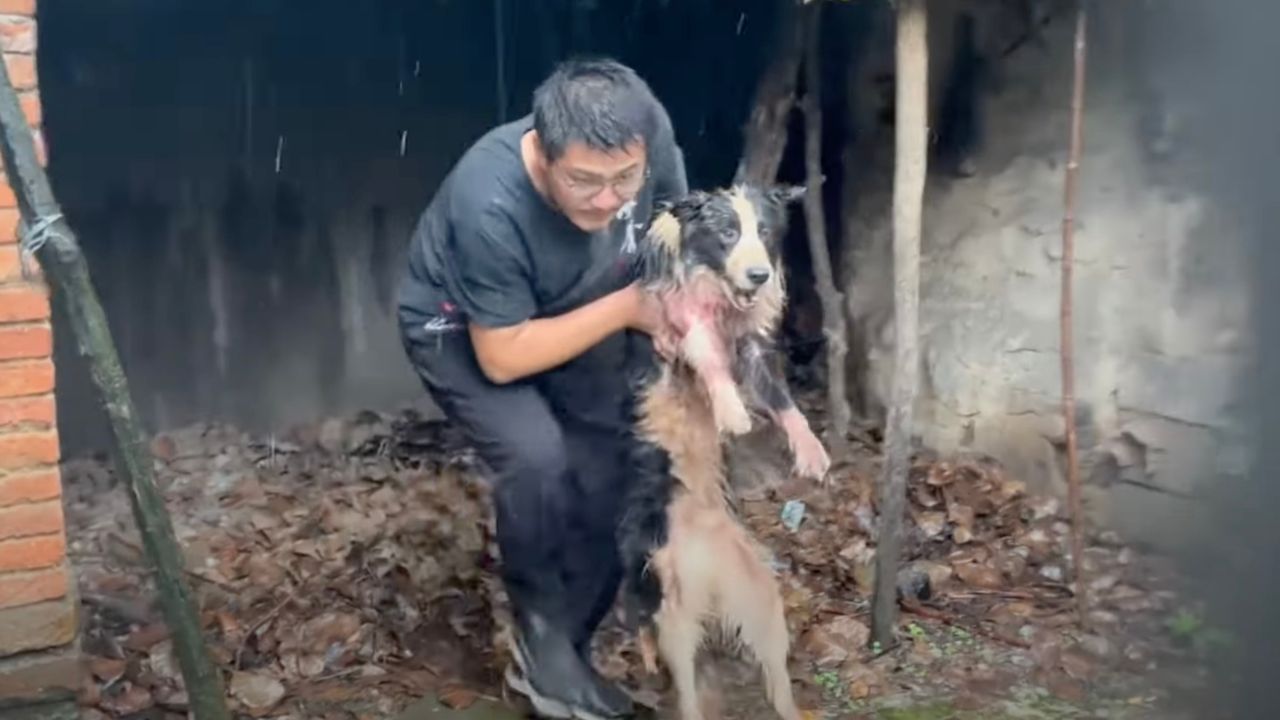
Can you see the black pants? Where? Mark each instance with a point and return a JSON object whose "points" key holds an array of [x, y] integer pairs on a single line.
{"points": [[557, 446]]}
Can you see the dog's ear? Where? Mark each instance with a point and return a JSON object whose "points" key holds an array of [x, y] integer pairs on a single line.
{"points": [[688, 206], [785, 194]]}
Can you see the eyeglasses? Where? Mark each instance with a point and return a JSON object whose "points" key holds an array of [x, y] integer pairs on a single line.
{"points": [[625, 185]]}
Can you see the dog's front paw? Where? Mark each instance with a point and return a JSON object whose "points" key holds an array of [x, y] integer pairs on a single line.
{"points": [[730, 412], [811, 458]]}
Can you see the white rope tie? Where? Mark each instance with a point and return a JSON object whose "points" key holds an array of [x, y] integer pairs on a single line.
{"points": [[34, 238]]}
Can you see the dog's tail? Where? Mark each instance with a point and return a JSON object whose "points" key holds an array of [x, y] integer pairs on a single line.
{"points": [[642, 529]]}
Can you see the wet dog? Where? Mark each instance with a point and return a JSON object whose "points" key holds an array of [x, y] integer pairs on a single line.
{"points": [[691, 566]]}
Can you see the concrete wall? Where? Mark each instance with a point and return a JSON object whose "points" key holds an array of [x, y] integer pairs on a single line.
{"points": [[245, 176], [1161, 310]]}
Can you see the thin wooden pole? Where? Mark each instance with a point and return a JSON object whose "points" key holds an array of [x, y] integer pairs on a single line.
{"points": [[833, 315], [911, 111], [54, 245], [1074, 499]]}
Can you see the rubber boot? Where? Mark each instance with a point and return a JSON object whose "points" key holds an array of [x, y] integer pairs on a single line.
{"points": [[552, 675]]}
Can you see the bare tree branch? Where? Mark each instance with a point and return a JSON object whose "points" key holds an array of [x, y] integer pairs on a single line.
{"points": [[833, 317]]}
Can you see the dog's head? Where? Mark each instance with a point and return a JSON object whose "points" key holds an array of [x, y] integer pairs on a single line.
{"points": [[727, 241]]}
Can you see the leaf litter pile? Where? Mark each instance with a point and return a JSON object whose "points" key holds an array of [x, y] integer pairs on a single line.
{"points": [[348, 569]]}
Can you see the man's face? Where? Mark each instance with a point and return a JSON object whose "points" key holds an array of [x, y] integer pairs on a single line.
{"points": [[590, 186]]}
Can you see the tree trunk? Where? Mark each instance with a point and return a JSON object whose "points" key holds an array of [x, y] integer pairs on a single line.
{"points": [[58, 252], [833, 317], [1067, 349], [765, 135], [911, 118]]}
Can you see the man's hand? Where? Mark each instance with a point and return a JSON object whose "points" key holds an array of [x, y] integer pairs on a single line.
{"points": [[650, 317]]}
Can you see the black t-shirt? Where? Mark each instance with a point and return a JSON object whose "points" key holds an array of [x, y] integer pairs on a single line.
{"points": [[489, 249]]}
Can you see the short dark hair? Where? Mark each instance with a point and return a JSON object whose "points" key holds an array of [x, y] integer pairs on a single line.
{"points": [[596, 101]]}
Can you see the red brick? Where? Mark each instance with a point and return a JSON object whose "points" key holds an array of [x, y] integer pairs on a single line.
{"points": [[24, 303], [7, 198], [31, 108], [27, 450], [38, 410], [18, 7], [25, 588], [30, 487], [32, 553], [20, 378], [31, 519], [10, 263], [10, 218], [22, 70], [18, 35], [37, 626], [23, 450], [24, 342]]}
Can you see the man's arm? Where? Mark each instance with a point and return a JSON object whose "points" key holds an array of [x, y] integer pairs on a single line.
{"points": [[513, 352], [495, 292]]}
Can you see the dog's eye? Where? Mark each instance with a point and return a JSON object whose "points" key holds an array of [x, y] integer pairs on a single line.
{"points": [[728, 237], [763, 231]]}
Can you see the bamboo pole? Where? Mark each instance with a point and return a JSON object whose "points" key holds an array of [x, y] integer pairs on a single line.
{"points": [[911, 119], [1067, 347], [55, 247]]}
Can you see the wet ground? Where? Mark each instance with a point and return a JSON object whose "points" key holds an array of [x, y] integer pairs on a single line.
{"points": [[345, 572]]}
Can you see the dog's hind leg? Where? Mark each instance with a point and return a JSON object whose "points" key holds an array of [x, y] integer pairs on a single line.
{"points": [[679, 638], [770, 643], [753, 606]]}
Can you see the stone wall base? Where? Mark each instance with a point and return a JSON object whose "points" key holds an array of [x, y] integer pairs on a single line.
{"points": [[41, 685]]}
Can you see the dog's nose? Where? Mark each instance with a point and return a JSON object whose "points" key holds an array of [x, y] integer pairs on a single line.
{"points": [[758, 275]]}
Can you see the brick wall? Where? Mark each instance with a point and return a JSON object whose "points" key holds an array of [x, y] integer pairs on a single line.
{"points": [[38, 618]]}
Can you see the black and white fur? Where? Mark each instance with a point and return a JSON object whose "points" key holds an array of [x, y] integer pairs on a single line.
{"points": [[714, 258]]}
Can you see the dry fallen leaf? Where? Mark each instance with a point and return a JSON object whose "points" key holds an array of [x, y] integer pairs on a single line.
{"points": [[932, 523], [1065, 688], [172, 699], [256, 692], [978, 575], [457, 697], [164, 663], [357, 556], [129, 700], [1078, 665], [961, 515], [862, 681], [145, 637], [108, 670]]}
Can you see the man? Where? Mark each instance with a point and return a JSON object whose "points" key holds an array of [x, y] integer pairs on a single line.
{"points": [[517, 312]]}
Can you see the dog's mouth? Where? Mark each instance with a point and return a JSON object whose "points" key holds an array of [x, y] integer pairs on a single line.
{"points": [[743, 298]]}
